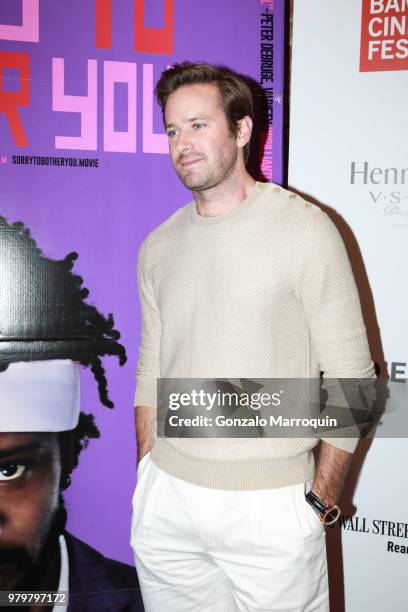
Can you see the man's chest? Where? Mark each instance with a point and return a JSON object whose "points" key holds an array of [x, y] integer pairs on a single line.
{"points": [[239, 274]]}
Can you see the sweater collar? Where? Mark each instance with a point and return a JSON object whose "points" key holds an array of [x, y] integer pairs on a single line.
{"points": [[230, 214]]}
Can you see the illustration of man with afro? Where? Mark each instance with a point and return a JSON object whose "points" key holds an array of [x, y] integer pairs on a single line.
{"points": [[47, 331]]}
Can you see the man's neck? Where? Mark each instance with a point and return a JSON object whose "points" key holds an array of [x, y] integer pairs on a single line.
{"points": [[223, 197]]}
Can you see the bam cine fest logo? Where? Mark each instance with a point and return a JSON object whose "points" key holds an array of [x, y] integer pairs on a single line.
{"points": [[384, 35]]}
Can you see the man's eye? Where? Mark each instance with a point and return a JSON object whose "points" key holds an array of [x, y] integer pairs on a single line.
{"points": [[197, 126], [11, 471], [171, 133]]}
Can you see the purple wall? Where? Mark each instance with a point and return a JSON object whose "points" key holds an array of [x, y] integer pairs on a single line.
{"points": [[104, 212]]}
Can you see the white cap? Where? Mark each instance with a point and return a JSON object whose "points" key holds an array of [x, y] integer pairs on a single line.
{"points": [[39, 396]]}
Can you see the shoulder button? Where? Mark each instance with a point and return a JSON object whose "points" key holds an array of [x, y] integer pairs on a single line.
{"points": [[276, 189]]}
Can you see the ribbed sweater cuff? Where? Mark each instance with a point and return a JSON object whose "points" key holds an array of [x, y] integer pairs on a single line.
{"points": [[146, 392], [346, 444]]}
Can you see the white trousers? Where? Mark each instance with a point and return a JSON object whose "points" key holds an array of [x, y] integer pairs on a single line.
{"points": [[207, 550]]}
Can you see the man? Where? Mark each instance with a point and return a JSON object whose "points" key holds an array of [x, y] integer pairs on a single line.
{"points": [[46, 330], [42, 435], [247, 281]]}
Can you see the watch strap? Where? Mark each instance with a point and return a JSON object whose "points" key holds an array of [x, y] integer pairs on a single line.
{"points": [[316, 503], [325, 512]]}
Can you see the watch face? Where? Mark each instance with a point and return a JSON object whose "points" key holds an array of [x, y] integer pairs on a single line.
{"points": [[331, 515]]}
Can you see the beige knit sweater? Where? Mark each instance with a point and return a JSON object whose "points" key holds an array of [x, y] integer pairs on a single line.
{"points": [[263, 291]]}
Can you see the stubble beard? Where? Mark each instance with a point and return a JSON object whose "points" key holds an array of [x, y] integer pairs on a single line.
{"points": [[212, 176], [28, 563]]}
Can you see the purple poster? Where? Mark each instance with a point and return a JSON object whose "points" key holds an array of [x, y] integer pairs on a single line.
{"points": [[84, 165]]}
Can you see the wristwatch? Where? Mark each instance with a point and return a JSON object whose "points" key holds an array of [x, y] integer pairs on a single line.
{"points": [[327, 514]]}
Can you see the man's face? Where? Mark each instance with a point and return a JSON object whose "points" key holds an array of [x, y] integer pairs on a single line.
{"points": [[30, 470], [203, 150]]}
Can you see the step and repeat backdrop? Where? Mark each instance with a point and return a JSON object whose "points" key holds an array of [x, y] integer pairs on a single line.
{"points": [[348, 153], [84, 168]]}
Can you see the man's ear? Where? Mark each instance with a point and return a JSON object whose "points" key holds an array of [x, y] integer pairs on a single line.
{"points": [[244, 131]]}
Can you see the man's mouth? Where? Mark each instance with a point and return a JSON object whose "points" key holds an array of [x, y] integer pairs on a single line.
{"points": [[10, 575], [13, 574], [189, 162], [12, 568], [14, 557]]}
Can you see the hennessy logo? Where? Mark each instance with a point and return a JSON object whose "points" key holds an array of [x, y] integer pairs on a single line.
{"points": [[387, 186], [362, 173]]}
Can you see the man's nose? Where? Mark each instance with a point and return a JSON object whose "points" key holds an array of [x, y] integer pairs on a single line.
{"points": [[3, 519], [8, 511], [184, 142]]}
